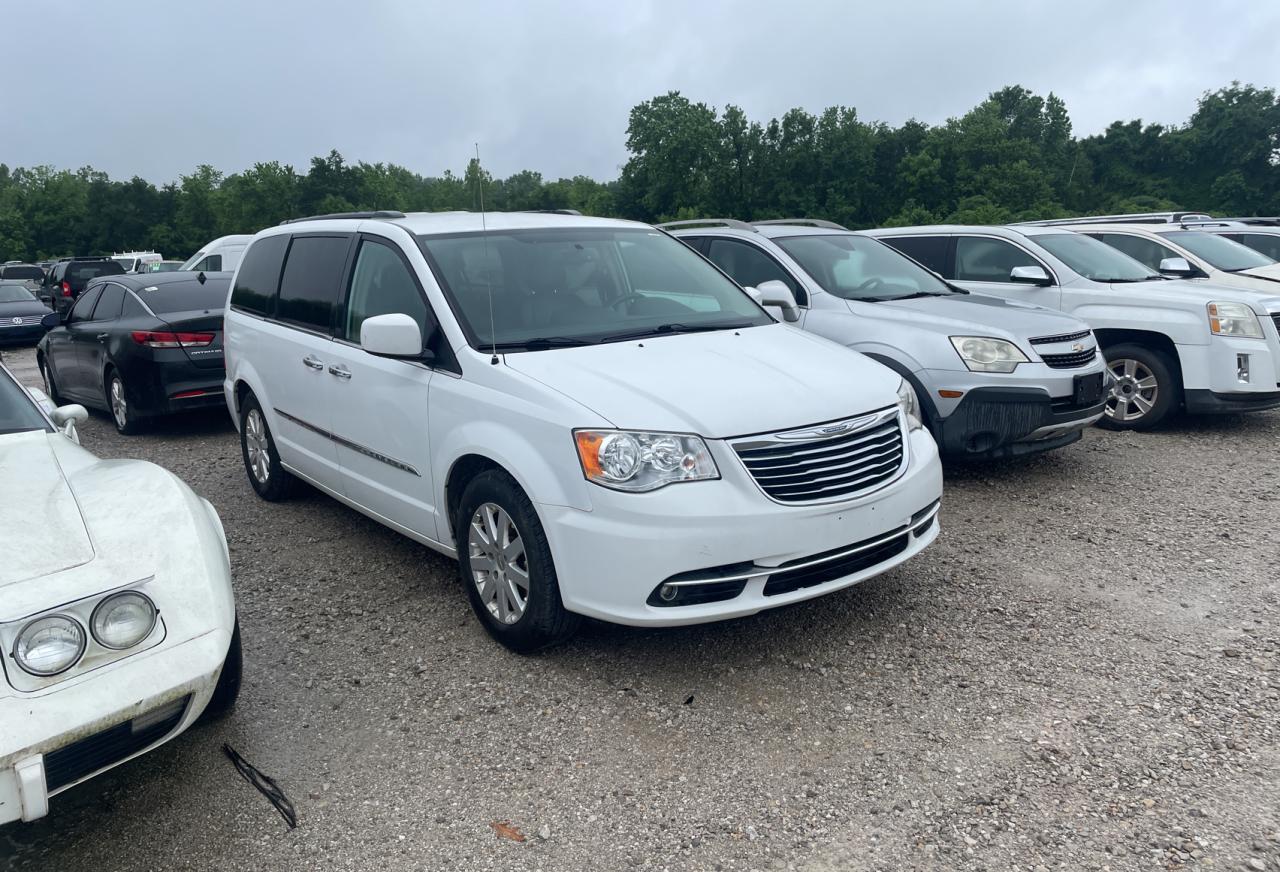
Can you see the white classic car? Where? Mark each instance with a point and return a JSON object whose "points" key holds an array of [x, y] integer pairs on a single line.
{"points": [[113, 639]]}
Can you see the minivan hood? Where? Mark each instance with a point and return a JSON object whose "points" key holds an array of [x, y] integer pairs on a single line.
{"points": [[41, 508], [973, 315], [718, 385]]}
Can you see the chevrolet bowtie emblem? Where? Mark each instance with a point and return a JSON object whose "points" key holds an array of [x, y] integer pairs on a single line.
{"points": [[1076, 346]]}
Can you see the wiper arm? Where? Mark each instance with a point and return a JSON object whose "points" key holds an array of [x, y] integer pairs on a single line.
{"points": [[668, 329], [539, 343]]}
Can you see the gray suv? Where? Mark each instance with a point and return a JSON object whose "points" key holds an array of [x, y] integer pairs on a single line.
{"points": [[995, 378]]}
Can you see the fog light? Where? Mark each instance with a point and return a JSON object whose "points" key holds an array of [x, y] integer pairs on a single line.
{"points": [[668, 592], [1242, 368]]}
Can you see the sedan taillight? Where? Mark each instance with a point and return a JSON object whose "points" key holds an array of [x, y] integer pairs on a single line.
{"points": [[66, 289], [171, 340]]}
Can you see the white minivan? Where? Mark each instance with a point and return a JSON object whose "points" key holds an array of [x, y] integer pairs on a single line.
{"points": [[588, 415]]}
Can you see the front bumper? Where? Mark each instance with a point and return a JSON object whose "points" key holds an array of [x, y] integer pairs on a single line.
{"points": [[25, 333], [611, 559], [996, 422], [38, 724], [1203, 402]]}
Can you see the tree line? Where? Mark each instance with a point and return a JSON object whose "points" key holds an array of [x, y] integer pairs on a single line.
{"points": [[1011, 157]]}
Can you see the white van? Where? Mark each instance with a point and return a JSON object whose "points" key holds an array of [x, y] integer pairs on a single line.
{"points": [[223, 254], [137, 261], [591, 417]]}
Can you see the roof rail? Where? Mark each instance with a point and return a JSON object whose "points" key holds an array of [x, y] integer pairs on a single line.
{"points": [[803, 222], [709, 222], [381, 213], [551, 212], [1132, 218], [1257, 221]]}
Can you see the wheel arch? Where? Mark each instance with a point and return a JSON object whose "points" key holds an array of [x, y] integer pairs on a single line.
{"points": [[1111, 336]]}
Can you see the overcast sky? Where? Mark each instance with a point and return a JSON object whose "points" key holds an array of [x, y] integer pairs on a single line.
{"points": [[155, 88]]}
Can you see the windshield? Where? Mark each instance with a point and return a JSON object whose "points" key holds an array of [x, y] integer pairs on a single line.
{"points": [[581, 285], [861, 268], [17, 411], [192, 261], [126, 262], [1093, 259], [1222, 253], [15, 294]]}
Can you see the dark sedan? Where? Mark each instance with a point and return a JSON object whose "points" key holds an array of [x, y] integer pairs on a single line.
{"points": [[139, 346], [20, 313]]}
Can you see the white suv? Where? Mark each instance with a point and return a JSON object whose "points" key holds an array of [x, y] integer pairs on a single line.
{"points": [[1169, 343], [591, 417]]}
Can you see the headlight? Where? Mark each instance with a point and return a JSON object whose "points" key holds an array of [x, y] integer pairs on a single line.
{"points": [[632, 461], [983, 354], [123, 620], [1234, 319], [909, 403], [49, 645]]}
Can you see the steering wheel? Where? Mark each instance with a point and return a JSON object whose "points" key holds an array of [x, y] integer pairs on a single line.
{"points": [[871, 284], [627, 298]]}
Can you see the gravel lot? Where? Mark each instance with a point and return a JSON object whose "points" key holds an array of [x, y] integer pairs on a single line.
{"points": [[1080, 674]]}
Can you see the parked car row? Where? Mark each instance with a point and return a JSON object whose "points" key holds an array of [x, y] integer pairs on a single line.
{"points": [[595, 418]]}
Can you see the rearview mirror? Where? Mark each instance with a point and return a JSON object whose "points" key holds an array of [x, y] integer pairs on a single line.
{"points": [[1030, 275], [53, 319], [394, 335], [776, 293], [1176, 266], [65, 419]]}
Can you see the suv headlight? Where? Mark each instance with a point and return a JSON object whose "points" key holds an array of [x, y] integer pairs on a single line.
{"points": [[49, 645], [909, 403], [630, 460], [984, 354], [1234, 319]]}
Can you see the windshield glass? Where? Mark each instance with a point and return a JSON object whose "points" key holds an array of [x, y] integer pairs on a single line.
{"points": [[1221, 252], [1093, 259], [192, 261], [17, 411], [579, 285], [15, 294], [861, 268]]}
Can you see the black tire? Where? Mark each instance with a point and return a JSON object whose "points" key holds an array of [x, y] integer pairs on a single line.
{"points": [[50, 386], [278, 483], [227, 690], [544, 621], [1123, 410], [127, 423]]}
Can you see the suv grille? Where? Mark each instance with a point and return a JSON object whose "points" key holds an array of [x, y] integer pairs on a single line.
{"points": [[1064, 337], [807, 465], [1070, 361], [1275, 319]]}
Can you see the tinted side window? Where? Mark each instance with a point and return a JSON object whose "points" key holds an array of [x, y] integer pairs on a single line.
{"points": [[132, 308], [259, 276], [748, 265], [928, 251], [212, 263], [1142, 250], [83, 309], [381, 284], [982, 259], [1264, 243], [309, 286], [109, 303]]}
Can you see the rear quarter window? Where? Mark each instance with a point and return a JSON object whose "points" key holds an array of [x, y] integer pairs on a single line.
{"points": [[259, 276], [310, 282]]}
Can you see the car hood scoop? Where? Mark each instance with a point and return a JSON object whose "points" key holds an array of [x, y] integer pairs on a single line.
{"points": [[38, 511]]}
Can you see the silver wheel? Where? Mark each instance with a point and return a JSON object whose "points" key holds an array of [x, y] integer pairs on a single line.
{"points": [[1135, 391], [499, 565], [255, 441], [119, 408]]}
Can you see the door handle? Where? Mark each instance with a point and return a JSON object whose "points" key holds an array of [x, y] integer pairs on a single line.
{"points": [[313, 362], [340, 371], [102, 336]]}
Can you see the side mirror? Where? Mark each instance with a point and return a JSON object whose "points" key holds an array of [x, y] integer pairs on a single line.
{"points": [[393, 335], [1176, 266], [53, 319], [776, 293], [65, 419], [1030, 275]]}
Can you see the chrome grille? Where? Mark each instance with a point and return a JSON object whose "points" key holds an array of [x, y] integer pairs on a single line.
{"points": [[831, 461], [20, 320], [1064, 337], [1070, 361]]}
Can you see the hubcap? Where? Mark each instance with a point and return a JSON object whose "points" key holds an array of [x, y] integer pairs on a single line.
{"points": [[1135, 391], [119, 408], [255, 442], [499, 566]]}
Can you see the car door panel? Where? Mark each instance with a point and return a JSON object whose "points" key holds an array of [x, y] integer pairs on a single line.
{"points": [[91, 350], [79, 331]]}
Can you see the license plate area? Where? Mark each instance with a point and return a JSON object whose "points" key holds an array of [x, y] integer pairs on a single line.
{"points": [[1088, 389]]}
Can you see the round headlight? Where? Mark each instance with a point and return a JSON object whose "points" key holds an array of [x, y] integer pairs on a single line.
{"points": [[123, 620], [50, 645], [619, 456]]}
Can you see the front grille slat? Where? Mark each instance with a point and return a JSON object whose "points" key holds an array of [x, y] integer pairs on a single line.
{"points": [[72, 762], [1275, 319], [1064, 337], [1071, 360], [786, 582], [838, 467]]}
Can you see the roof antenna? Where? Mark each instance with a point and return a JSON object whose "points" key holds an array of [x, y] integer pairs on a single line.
{"points": [[488, 276]]}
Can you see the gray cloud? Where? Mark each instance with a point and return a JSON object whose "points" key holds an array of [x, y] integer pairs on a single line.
{"points": [[154, 88]]}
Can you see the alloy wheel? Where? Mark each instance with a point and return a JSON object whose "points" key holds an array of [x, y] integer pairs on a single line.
{"points": [[1135, 391], [119, 407], [255, 440], [499, 565]]}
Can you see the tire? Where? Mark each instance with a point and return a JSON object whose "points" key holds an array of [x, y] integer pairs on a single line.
{"points": [[542, 620], [227, 690], [127, 423], [50, 386], [1147, 391], [270, 480]]}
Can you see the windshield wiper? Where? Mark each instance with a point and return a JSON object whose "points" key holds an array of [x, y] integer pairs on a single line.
{"points": [[669, 329], [539, 343]]}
